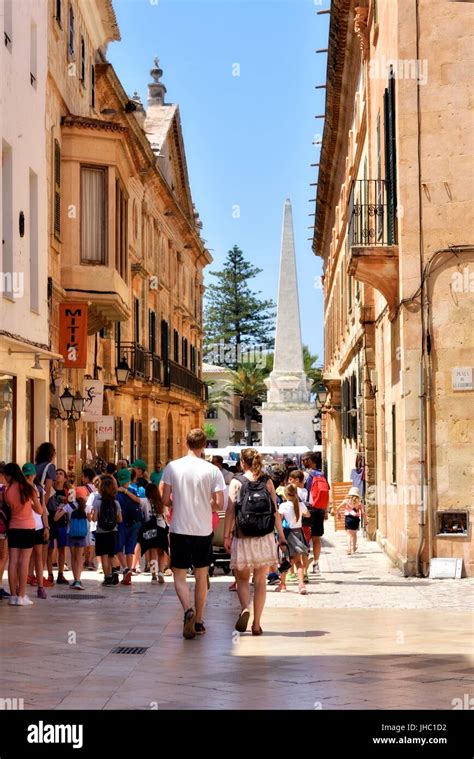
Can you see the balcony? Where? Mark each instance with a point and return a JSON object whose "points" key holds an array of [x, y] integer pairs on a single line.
{"points": [[143, 364], [373, 239], [102, 288], [182, 379]]}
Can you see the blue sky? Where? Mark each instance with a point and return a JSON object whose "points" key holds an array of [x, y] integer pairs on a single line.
{"points": [[248, 138]]}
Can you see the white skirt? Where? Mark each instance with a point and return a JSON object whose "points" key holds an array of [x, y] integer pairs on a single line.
{"points": [[253, 553]]}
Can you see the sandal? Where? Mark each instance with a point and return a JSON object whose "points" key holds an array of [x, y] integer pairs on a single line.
{"points": [[302, 590], [280, 588], [256, 631], [242, 622]]}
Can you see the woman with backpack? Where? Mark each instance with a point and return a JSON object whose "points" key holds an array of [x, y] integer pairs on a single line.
{"points": [[107, 513], [293, 510], [250, 520], [22, 499]]}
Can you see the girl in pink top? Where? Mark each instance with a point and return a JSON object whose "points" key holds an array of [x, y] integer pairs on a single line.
{"points": [[22, 499]]}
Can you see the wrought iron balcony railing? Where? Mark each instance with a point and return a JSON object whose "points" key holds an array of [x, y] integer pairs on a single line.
{"points": [[143, 364], [185, 380], [372, 214]]}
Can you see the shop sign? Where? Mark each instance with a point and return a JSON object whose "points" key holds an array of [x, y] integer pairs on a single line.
{"points": [[73, 334], [105, 428], [93, 392]]}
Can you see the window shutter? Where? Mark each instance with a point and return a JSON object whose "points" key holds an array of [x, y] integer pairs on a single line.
{"points": [[345, 394], [390, 159], [57, 189]]}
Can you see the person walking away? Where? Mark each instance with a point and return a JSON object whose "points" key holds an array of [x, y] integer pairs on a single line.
{"points": [[353, 511], [58, 528], [157, 474], [22, 499], [296, 478], [153, 534], [293, 510], [132, 521], [87, 480], [106, 512], [318, 503], [195, 488], [250, 520], [36, 566]]}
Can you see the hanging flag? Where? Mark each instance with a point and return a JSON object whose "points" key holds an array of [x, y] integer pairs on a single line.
{"points": [[93, 392], [73, 334]]}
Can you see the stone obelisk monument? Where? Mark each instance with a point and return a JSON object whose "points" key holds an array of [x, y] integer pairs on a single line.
{"points": [[288, 411]]}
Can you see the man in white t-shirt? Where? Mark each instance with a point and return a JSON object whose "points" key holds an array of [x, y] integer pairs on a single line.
{"points": [[193, 488]]}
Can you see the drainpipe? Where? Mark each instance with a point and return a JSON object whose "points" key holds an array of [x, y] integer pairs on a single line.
{"points": [[422, 517], [428, 468]]}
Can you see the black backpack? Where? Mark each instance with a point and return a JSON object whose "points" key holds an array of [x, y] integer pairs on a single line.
{"points": [[107, 519], [254, 508]]}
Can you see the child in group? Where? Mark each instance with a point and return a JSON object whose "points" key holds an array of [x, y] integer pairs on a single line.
{"points": [[78, 519], [293, 510], [153, 534], [58, 527], [353, 510], [107, 513], [296, 478]]}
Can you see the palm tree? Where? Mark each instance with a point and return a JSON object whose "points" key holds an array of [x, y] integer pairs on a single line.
{"points": [[247, 381], [219, 399]]}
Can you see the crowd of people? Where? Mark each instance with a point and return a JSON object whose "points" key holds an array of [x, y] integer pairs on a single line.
{"points": [[125, 520]]}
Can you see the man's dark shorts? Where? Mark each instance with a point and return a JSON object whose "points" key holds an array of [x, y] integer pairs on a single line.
{"points": [[317, 522], [190, 551]]}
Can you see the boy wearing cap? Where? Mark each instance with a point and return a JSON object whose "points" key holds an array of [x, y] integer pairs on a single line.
{"points": [[353, 510], [140, 467]]}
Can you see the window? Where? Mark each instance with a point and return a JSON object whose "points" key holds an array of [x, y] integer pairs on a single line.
{"points": [[93, 215], [152, 331], [136, 320], [8, 24], [175, 345], [390, 158], [353, 408], [212, 413], [184, 352], [71, 31], [57, 190], [83, 61], [345, 409], [394, 445], [30, 416], [92, 86], [33, 54], [57, 12], [7, 222], [164, 340], [34, 258], [121, 230], [193, 359]]}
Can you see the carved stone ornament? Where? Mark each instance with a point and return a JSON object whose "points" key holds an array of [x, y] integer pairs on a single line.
{"points": [[360, 28]]}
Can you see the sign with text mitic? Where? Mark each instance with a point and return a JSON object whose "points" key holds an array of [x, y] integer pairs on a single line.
{"points": [[105, 428], [462, 378], [93, 392], [73, 334]]}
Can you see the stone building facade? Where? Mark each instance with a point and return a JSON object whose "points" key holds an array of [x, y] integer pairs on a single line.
{"points": [[394, 226], [124, 242]]}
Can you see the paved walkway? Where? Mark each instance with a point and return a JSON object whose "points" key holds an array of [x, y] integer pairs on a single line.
{"points": [[363, 638]]}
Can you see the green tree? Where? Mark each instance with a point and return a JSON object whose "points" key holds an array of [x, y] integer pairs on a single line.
{"points": [[234, 314], [210, 431], [219, 399], [247, 381]]}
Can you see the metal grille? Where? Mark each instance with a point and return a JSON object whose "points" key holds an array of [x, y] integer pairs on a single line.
{"points": [[129, 650], [77, 597]]}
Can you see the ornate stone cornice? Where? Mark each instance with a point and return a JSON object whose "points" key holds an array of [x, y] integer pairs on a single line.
{"points": [[360, 28]]}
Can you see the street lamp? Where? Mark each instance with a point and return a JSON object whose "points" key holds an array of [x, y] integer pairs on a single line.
{"points": [[73, 406], [67, 401], [321, 396], [122, 371]]}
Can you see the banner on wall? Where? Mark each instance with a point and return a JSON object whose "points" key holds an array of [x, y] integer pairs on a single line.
{"points": [[93, 392], [73, 334], [105, 428]]}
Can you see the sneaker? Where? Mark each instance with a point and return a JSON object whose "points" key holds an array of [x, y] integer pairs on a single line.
{"points": [[47, 583], [291, 577], [281, 588], [127, 577], [274, 581], [302, 590], [147, 569], [110, 580], [316, 567], [4, 594], [115, 578], [91, 568], [154, 580], [62, 580], [189, 624], [13, 601], [24, 601], [79, 585], [306, 578], [199, 628], [41, 593], [51, 579], [30, 579], [100, 570], [168, 572], [161, 578]]}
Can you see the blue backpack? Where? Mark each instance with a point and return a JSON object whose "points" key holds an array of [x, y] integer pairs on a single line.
{"points": [[78, 524]]}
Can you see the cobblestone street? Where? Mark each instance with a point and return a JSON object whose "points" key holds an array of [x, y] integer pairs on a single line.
{"points": [[363, 638]]}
